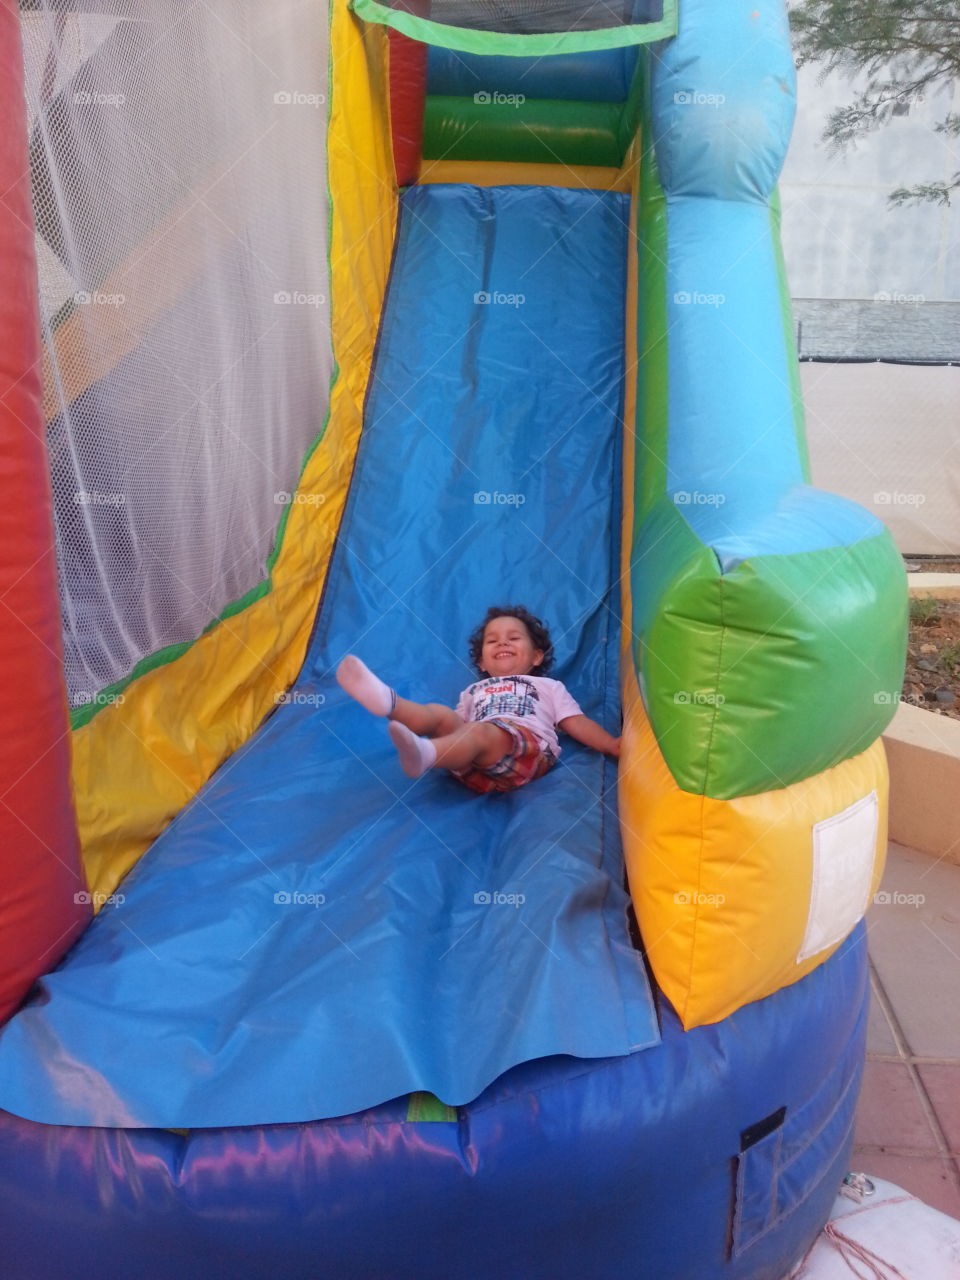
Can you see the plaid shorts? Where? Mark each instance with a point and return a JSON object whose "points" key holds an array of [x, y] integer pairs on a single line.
{"points": [[528, 759]]}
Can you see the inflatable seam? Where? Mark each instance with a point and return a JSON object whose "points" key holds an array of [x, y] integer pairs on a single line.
{"points": [[744, 1238]]}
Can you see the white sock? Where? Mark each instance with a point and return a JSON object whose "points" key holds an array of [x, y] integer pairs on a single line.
{"points": [[417, 754], [368, 689]]}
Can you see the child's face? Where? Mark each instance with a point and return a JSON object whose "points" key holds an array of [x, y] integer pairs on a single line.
{"points": [[508, 649]]}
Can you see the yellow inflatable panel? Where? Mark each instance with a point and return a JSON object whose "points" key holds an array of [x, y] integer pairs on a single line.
{"points": [[140, 760], [738, 898]]}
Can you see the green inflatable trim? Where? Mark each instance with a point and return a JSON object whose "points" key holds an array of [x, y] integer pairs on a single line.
{"points": [[632, 110], [538, 130], [652, 425], [787, 666], [426, 1107], [789, 336], [498, 42]]}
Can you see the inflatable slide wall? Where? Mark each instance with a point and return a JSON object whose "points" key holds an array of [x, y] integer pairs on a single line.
{"points": [[326, 327]]}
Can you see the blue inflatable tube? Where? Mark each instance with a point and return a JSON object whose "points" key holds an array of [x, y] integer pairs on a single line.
{"points": [[717, 1154], [602, 76]]}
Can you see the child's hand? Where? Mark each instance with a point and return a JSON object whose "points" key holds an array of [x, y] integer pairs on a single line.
{"points": [[614, 749]]}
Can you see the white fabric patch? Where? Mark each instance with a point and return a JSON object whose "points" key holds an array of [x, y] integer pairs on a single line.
{"points": [[844, 849]]}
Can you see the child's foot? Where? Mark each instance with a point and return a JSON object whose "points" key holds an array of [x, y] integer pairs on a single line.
{"points": [[368, 689], [417, 755]]}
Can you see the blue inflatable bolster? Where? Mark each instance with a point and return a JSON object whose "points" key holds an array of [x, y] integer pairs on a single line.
{"points": [[716, 1156], [602, 76], [721, 120]]}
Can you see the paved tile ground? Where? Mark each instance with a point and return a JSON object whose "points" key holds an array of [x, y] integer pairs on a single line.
{"points": [[908, 1121]]}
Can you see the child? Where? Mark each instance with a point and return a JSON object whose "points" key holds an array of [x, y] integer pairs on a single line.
{"points": [[503, 732]]}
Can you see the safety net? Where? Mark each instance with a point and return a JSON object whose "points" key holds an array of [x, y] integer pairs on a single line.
{"points": [[178, 167]]}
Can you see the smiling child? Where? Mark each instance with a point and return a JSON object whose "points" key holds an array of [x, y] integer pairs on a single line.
{"points": [[503, 732]]}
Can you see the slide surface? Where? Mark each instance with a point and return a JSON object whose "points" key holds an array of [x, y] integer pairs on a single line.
{"points": [[315, 933]]}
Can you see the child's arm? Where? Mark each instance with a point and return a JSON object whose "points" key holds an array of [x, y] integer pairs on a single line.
{"points": [[590, 734]]}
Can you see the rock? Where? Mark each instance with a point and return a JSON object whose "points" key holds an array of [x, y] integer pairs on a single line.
{"points": [[926, 664], [945, 697], [928, 648]]}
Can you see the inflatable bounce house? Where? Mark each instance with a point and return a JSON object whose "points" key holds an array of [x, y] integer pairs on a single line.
{"points": [[324, 328]]}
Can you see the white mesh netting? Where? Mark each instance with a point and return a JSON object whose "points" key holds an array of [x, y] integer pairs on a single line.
{"points": [[178, 164]]}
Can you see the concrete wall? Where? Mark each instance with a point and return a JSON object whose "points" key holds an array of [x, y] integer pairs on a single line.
{"points": [[840, 237], [886, 435]]}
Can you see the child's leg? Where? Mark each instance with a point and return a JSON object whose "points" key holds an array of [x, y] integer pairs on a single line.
{"points": [[427, 734], [369, 690], [475, 743], [429, 719]]}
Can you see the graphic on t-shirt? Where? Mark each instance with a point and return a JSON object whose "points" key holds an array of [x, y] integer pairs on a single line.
{"points": [[510, 696]]}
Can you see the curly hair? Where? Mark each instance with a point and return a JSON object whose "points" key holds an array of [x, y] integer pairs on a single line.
{"points": [[539, 635]]}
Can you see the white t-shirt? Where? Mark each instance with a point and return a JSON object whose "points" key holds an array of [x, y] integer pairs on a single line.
{"points": [[535, 701]]}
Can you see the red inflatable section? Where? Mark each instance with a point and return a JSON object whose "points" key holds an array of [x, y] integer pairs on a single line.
{"points": [[408, 87], [40, 875]]}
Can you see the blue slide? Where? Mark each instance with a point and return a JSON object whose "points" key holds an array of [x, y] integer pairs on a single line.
{"points": [[315, 934]]}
